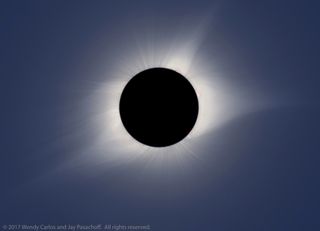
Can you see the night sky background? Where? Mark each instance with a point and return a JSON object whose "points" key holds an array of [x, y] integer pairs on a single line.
{"points": [[260, 171]]}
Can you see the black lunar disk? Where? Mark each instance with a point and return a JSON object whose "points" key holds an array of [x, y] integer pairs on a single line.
{"points": [[158, 107]]}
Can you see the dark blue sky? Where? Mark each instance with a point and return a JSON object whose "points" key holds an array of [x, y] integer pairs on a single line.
{"points": [[266, 175]]}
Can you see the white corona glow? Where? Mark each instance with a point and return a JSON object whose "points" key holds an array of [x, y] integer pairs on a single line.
{"points": [[218, 103], [114, 142]]}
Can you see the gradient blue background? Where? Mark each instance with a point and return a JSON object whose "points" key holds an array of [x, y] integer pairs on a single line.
{"points": [[269, 174]]}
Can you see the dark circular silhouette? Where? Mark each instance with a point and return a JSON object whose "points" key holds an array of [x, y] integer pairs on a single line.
{"points": [[158, 107]]}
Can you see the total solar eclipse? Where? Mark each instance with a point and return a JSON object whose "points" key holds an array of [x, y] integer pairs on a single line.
{"points": [[158, 107]]}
